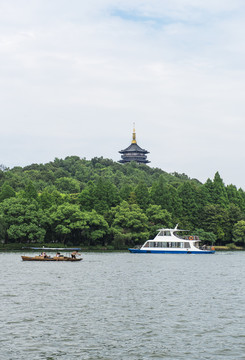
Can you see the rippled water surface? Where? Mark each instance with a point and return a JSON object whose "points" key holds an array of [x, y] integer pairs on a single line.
{"points": [[124, 306]]}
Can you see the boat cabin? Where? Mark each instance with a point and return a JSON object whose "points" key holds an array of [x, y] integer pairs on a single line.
{"points": [[170, 239], [165, 244]]}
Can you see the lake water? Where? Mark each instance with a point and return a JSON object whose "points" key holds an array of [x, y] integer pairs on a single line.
{"points": [[124, 306]]}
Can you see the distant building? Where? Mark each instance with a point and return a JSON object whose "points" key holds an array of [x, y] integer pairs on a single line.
{"points": [[134, 153]]}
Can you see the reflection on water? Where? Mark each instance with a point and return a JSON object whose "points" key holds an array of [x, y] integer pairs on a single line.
{"points": [[123, 306]]}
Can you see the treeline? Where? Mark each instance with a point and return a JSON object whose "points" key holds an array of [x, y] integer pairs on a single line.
{"points": [[105, 204]]}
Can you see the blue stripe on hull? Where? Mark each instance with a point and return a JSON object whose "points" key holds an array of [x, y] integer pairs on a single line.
{"points": [[139, 251]]}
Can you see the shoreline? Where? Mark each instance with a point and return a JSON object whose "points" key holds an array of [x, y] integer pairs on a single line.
{"points": [[17, 247]]}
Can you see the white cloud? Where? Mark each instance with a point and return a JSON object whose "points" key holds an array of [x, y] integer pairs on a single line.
{"points": [[75, 74]]}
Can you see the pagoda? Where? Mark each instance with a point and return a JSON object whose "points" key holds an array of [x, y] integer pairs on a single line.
{"points": [[134, 152]]}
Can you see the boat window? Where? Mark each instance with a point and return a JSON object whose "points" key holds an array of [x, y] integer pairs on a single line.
{"points": [[164, 233], [164, 244], [176, 244], [158, 244]]}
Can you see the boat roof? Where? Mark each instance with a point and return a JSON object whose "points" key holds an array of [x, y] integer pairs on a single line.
{"points": [[175, 229]]}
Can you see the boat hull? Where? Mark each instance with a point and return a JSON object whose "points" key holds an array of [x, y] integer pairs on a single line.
{"points": [[41, 258], [139, 251]]}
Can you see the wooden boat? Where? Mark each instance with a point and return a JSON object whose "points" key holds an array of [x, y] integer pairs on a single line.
{"points": [[48, 258], [52, 248]]}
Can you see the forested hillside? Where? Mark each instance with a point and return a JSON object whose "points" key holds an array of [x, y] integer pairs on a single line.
{"points": [[101, 203]]}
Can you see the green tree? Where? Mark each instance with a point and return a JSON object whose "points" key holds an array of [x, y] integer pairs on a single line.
{"points": [[142, 195], [24, 220], [68, 223], [239, 233], [106, 195], [46, 199], [235, 196], [234, 215], [219, 192], [97, 229], [132, 198], [242, 197], [214, 219], [6, 192], [166, 196], [209, 190], [204, 236], [129, 225], [67, 185], [188, 193], [87, 197], [3, 227], [158, 218], [30, 192], [125, 191], [100, 196]]}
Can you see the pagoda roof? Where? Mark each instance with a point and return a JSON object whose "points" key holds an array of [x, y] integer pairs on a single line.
{"points": [[134, 148]]}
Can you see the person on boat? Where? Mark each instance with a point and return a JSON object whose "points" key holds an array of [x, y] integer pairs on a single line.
{"points": [[57, 254], [44, 254], [74, 254]]}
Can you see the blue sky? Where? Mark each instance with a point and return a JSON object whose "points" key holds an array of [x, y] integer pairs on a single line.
{"points": [[138, 17], [74, 77]]}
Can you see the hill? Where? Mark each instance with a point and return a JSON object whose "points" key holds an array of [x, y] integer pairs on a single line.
{"points": [[99, 202], [83, 171]]}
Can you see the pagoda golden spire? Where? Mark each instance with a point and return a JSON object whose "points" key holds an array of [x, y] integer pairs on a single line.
{"points": [[134, 152], [134, 136]]}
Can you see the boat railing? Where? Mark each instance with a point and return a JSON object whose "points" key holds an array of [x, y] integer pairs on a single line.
{"points": [[191, 237]]}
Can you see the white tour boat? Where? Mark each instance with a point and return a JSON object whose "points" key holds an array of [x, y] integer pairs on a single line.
{"points": [[168, 242]]}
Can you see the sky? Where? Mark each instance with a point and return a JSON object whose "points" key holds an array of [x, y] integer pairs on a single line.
{"points": [[75, 75]]}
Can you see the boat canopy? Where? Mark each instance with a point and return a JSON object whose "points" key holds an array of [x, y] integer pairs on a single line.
{"points": [[172, 230], [52, 249]]}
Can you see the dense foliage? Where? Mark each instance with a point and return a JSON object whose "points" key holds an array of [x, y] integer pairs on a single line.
{"points": [[106, 204]]}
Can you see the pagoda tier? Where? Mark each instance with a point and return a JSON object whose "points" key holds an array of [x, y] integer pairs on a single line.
{"points": [[134, 153]]}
